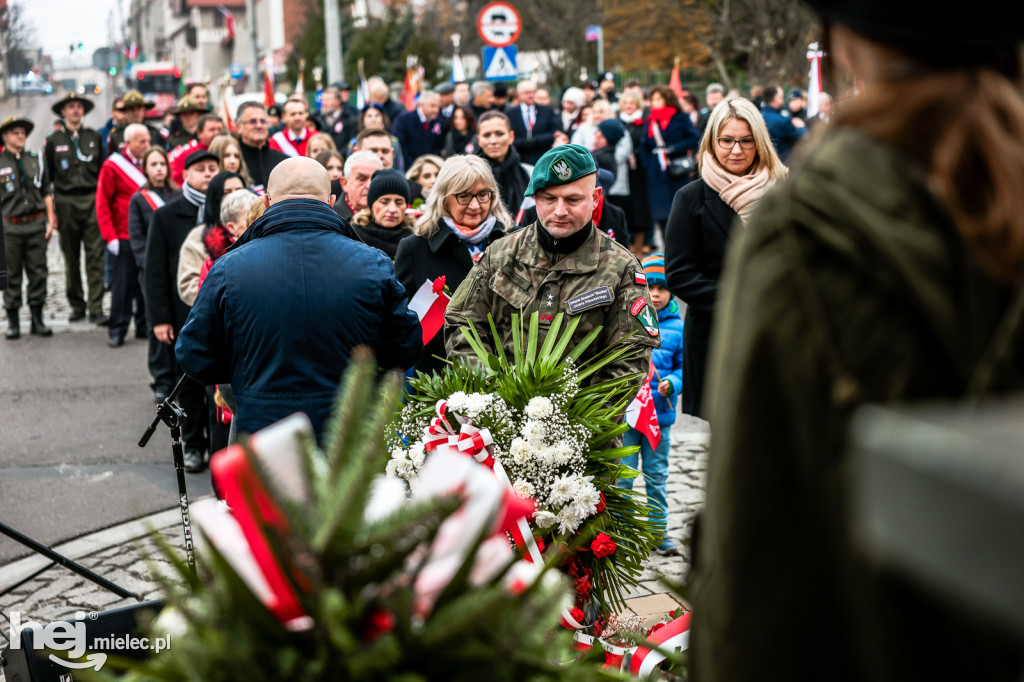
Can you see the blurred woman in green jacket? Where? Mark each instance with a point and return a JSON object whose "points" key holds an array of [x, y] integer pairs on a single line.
{"points": [[877, 273]]}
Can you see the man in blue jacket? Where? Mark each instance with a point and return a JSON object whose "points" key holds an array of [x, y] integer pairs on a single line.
{"points": [[279, 314], [784, 130]]}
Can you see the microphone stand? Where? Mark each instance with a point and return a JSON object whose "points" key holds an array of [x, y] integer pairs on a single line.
{"points": [[171, 414]]}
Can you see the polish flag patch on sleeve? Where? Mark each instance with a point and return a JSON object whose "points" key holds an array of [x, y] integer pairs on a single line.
{"points": [[641, 278]]}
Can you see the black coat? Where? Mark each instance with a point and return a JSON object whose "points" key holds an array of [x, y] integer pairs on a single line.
{"points": [[422, 258], [168, 229], [260, 161], [696, 236], [379, 237], [139, 215], [531, 144]]}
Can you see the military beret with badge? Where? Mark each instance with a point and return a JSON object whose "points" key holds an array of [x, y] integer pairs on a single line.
{"points": [[561, 165]]}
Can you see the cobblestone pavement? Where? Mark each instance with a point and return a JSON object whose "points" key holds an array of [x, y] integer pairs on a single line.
{"points": [[127, 555], [57, 310]]}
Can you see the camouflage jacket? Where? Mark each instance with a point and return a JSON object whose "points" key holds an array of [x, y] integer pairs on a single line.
{"points": [[601, 281]]}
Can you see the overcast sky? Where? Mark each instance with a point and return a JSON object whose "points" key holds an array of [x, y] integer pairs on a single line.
{"points": [[59, 23]]}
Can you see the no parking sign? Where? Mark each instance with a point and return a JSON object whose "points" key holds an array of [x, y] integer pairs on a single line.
{"points": [[499, 24]]}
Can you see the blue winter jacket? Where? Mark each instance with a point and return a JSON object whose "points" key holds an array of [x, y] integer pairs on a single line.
{"points": [[668, 361], [279, 314], [782, 131]]}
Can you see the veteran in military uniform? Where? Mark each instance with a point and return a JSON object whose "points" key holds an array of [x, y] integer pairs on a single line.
{"points": [[29, 220], [73, 155], [135, 107], [559, 264]]}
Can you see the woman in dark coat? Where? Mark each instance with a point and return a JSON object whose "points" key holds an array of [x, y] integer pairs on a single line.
{"points": [[384, 224], [680, 137], [158, 190], [737, 165], [461, 218], [461, 139]]}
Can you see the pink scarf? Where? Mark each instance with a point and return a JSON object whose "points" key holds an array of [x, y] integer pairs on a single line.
{"points": [[740, 192]]}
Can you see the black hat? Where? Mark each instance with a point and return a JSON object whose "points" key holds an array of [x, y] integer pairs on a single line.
{"points": [[200, 155], [387, 181], [58, 107], [500, 90], [916, 26], [15, 121], [445, 89], [612, 129], [796, 93], [342, 85], [274, 110]]}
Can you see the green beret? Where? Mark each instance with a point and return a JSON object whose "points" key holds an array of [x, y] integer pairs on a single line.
{"points": [[561, 165]]}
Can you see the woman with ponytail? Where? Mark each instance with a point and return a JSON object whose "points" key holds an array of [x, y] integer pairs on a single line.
{"points": [[879, 272]]}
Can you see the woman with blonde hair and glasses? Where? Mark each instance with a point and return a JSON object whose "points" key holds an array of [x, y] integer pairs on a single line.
{"points": [[737, 165], [462, 216]]}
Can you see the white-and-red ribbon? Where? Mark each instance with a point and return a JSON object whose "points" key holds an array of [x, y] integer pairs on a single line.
{"points": [[675, 636]]}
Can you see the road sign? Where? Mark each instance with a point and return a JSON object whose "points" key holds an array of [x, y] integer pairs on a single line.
{"points": [[499, 24], [500, 63], [237, 70], [105, 58]]}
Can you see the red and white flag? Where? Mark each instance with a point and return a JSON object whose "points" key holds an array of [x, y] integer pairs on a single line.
{"points": [[641, 414], [429, 304]]}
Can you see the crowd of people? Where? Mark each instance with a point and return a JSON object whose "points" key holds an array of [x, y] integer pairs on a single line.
{"points": [[144, 203]]}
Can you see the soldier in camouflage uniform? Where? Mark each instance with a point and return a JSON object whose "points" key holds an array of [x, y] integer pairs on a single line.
{"points": [[560, 264], [73, 155], [29, 220]]}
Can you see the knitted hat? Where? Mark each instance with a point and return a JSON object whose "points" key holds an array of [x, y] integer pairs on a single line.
{"points": [[574, 95], [559, 166], [387, 181], [654, 269], [613, 130]]}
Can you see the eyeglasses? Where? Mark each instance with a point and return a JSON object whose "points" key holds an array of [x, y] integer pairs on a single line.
{"points": [[729, 143], [466, 198], [256, 122]]}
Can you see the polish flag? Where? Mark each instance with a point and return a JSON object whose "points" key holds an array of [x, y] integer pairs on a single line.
{"points": [[429, 304], [641, 414]]}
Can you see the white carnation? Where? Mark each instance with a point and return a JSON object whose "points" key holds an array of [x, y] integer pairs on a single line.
{"points": [[476, 403], [561, 453], [521, 451], [568, 519], [546, 456], [539, 407], [417, 455], [587, 498], [523, 488], [457, 401], [534, 432], [563, 489], [545, 519]]}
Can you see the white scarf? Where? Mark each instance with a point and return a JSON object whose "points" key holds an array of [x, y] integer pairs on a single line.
{"points": [[196, 198]]}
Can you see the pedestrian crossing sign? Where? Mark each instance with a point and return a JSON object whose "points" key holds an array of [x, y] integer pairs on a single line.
{"points": [[500, 63]]}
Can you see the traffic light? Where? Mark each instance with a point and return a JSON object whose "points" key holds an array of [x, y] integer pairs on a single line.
{"points": [[113, 71], [81, 47]]}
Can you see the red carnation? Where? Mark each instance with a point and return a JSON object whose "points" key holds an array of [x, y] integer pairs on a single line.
{"points": [[583, 585], [599, 626], [439, 285], [601, 505], [540, 543], [381, 623], [655, 628], [603, 546], [612, 660]]}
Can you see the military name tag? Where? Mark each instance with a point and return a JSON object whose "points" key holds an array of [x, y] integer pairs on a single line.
{"points": [[589, 299], [6, 171], [61, 148]]}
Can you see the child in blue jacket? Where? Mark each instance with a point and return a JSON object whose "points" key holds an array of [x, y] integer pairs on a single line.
{"points": [[666, 384]]}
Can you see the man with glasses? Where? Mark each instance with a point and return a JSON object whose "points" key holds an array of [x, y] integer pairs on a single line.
{"points": [[29, 220], [559, 264], [254, 131]]}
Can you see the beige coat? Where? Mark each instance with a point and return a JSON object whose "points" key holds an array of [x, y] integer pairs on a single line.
{"points": [[190, 261]]}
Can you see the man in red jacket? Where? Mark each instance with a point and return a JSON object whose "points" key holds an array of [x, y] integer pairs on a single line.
{"points": [[209, 127], [120, 178]]}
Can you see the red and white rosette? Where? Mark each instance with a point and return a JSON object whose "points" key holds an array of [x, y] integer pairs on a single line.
{"points": [[675, 636], [478, 443]]}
